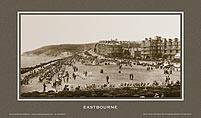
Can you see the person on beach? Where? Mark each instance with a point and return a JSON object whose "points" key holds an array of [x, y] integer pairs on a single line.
{"points": [[44, 87], [107, 79], [74, 76], [131, 76]]}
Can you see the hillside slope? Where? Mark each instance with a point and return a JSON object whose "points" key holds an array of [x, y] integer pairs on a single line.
{"points": [[56, 50]]}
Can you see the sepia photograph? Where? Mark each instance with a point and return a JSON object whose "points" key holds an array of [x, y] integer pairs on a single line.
{"points": [[100, 56]]}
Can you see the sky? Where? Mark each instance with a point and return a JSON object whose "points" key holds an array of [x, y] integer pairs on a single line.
{"points": [[42, 30]]}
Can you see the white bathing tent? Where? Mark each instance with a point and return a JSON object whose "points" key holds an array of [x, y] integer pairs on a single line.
{"points": [[177, 56]]}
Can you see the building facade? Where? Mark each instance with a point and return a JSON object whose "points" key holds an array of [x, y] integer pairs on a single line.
{"points": [[149, 49], [171, 47], [109, 48], [121, 49], [135, 50], [160, 48]]}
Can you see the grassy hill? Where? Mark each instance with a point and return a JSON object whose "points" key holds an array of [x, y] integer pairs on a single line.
{"points": [[55, 50]]}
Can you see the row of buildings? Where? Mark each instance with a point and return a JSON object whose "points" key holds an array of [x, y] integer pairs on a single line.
{"points": [[149, 48]]}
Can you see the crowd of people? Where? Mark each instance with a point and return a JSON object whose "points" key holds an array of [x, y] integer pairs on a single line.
{"points": [[58, 70]]}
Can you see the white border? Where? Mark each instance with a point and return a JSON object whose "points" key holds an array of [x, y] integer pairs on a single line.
{"points": [[117, 12]]}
